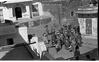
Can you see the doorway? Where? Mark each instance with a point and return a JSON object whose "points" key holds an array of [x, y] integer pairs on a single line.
{"points": [[18, 12], [10, 41], [1, 15], [88, 26]]}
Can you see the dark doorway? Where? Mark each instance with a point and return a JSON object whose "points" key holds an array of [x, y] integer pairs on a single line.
{"points": [[88, 26], [29, 37], [18, 12], [10, 41]]}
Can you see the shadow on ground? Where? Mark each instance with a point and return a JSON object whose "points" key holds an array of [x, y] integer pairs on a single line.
{"points": [[21, 53], [93, 55], [18, 53]]}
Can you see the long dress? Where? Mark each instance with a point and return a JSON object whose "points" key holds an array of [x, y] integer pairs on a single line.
{"points": [[38, 47], [34, 47]]}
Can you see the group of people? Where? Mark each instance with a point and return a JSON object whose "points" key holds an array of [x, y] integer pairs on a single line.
{"points": [[67, 35], [37, 45]]}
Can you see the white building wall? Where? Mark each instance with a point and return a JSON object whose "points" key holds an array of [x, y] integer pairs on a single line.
{"points": [[8, 14], [5, 13], [40, 8], [11, 17], [82, 23], [23, 33], [27, 13], [94, 26]]}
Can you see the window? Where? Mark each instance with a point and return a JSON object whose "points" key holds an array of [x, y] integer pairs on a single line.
{"points": [[94, 15], [10, 41], [35, 10], [1, 15], [72, 13]]}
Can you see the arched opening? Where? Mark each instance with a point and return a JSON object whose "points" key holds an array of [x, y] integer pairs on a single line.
{"points": [[18, 12]]}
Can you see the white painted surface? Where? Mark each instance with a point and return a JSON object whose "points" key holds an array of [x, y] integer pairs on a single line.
{"points": [[94, 26], [10, 12], [82, 25], [42, 47], [16, 1], [39, 46], [40, 8], [2, 54], [5, 13], [23, 33], [27, 13], [34, 46]]}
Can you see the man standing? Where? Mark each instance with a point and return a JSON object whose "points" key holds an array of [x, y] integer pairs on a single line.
{"points": [[76, 52], [34, 47]]}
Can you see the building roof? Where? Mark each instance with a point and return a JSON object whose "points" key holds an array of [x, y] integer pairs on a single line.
{"points": [[16, 1], [87, 11], [88, 7]]}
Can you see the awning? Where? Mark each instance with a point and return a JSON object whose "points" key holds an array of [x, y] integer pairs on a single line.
{"points": [[16, 1], [86, 11]]}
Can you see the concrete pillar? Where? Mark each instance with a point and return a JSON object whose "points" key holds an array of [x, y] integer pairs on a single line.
{"points": [[40, 9], [94, 26], [82, 25]]}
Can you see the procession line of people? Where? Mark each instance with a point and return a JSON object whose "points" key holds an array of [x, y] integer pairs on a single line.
{"points": [[67, 35]]}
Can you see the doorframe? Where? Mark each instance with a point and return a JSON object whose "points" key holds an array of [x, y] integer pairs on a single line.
{"points": [[15, 11], [2, 20], [86, 26]]}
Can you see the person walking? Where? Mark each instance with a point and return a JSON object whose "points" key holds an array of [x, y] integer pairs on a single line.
{"points": [[45, 38], [77, 52], [34, 47]]}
